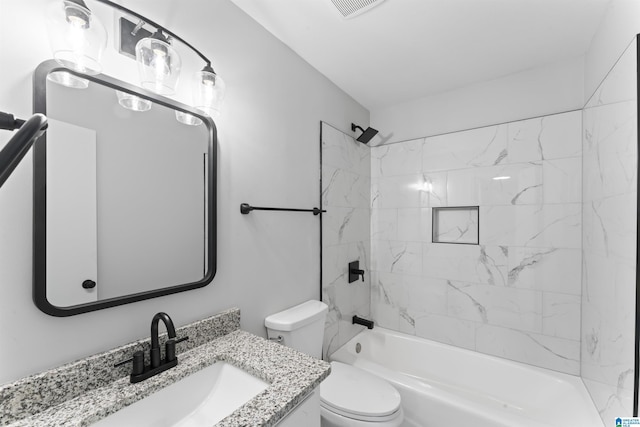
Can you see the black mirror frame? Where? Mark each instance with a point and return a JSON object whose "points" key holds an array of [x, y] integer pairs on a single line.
{"points": [[40, 196]]}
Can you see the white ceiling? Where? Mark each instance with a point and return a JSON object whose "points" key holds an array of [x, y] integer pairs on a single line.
{"points": [[408, 49]]}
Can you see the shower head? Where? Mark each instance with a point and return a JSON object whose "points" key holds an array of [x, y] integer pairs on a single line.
{"points": [[366, 134]]}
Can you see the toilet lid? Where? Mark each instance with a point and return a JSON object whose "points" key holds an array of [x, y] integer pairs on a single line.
{"points": [[353, 391]]}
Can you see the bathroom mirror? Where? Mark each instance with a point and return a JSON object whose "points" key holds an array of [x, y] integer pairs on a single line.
{"points": [[124, 198]]}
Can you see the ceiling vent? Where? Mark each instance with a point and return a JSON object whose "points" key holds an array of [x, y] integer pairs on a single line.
{"points": [[353, 8]]}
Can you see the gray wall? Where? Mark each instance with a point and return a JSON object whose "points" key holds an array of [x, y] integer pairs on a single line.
{"points": [[268, 156]]}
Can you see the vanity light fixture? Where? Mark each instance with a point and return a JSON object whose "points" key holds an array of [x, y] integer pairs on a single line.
{"points": [[78, 40], [500, 178]]}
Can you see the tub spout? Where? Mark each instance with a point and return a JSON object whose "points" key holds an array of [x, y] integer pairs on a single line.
{"points": [[364, 322]]}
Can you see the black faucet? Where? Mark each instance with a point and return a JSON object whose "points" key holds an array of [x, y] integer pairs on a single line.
{"points": [[140, 372], [155, 344]]}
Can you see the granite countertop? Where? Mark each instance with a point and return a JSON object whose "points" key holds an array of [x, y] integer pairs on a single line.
{"points": [[59, 398]]}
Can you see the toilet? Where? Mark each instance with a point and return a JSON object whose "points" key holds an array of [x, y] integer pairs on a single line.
{"points": [[349, 397]]}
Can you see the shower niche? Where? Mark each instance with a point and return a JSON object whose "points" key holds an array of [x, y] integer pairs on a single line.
{"points": [[456, 224]]}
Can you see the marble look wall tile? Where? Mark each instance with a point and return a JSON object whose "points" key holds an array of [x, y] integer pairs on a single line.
{"points": [[515, 295], [513, 184], [346, 172], [609, 226], [342, 188], [354, 299], [610, 402], [562, 180], [331, 341], [532, 226], [333, 270], [344, 225], [343, 152], [609, 267], [466, 263], [335, 261], [447, 330], [414, 225], [384, 224], [528, 262], [347, 329], [496, 305], [561, 315], [351, 298], [545, 138], [407, 224], [396, 192], [432, 188], [610, 147], [426, 295], [608, 319], [415, 294], [548, 352], [403, 158], [485, 146], [344, 298], [344, 301], [389, 301], [621, 82], [545, 269], [396, 256], [462, 188]]}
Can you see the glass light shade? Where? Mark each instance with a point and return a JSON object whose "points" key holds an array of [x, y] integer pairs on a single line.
{"points": [[76, 37], [159, 66], [67, 79], [208, 92], [132, 102], [187, 119]]}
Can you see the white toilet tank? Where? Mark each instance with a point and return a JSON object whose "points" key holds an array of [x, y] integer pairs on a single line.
{"points": [[301, 327]]}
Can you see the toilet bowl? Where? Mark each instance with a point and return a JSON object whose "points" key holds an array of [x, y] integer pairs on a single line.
{"points": [[349, 397]]}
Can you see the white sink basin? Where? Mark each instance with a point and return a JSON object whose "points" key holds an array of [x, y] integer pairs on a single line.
{"points": [[201, 399]]}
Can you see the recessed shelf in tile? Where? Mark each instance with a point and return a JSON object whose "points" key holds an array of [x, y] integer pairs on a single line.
{"points": [[456, 224]]}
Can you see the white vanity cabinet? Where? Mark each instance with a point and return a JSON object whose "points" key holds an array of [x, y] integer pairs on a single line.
{"points": [[306, 413]]}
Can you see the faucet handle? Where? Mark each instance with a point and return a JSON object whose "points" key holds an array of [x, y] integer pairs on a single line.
{"points": [[170, 348], [138, 362]]}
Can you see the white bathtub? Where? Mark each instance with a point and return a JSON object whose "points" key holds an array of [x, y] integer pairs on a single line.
{"points": [[442, 385]]}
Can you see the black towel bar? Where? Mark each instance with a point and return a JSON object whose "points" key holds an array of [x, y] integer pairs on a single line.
{"points": [[245, 208]]}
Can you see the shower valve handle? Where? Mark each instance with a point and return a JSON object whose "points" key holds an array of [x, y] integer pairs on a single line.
{"points": [[359, 273], [355, 272]]}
